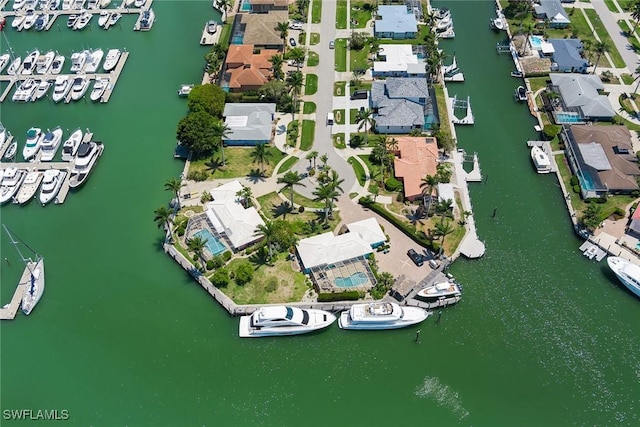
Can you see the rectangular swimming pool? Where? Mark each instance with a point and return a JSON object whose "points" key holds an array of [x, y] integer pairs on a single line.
{"points": [[214, 245], [352, 281]]}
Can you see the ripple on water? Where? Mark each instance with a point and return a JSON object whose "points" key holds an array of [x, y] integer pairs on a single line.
{"points": [[442, 394]]}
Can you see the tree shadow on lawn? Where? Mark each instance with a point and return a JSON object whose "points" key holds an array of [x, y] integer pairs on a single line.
{"points": [[260, 257], [281, 210], [214, 164], [256, 175]]}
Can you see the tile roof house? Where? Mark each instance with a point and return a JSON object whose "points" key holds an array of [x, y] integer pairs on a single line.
{"points": [[245, 70], [259, 29], [567, 56], [250, 124], [399, 60], [580, 92], [396, 22], [416, 158], [603, 159], [400, 104], [552, 11]]}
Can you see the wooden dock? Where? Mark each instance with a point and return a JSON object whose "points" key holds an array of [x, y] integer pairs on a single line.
{"points": [[9, 311]]}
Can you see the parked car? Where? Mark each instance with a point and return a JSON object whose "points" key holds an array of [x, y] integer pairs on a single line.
{"points": [[293, 63], [415, 257], [295, 25], [292, 42], [332, 44]]}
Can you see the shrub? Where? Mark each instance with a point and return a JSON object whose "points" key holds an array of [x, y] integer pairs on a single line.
{"points": [[574, 180], [301, 209], [216, 261], [181, 228], [392, 184], [618, 213], [206, 197], [550, 131], [227, 255], [340, 296], [576, 189], [200, 175], [400, 197], [243, 274], [271, 285], [210, 264], [220, 278]]}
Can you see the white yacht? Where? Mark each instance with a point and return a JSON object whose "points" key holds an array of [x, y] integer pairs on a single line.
{"points": [[70, 146], [88, 153], [33, 144], [57, 64], [93, 61], [627, 272], [41, 21], [17, 22], [99, 87], [41, 90], [440, 290], [11, 180], [51, 184], [72, 20], [110, 62], [29, 63], [104, 18], [44, 62], [35, 287], [540, 160], [10, 152], [14, 66], [3, 134], [66, 4], [147, 18], [380, 315], [283, 320], [185, 90], [29, 20], [79, 87], [78, 60], [115, 16], [50, 144], [83, 21], [25, 91], [54, 4], [29, 187], [5, 58], [18, 4], [61, 88]]}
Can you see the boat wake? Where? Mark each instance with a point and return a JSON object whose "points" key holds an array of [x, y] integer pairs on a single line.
{"points": [[432, 388]]}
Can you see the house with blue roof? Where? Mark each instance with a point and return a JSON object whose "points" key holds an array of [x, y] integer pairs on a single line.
{"points": [[552, 11], [402, 104], [567, 56], [396, 22]]}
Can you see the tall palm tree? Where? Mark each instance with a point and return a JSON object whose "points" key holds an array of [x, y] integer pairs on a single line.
{"points": [[379, 154], [365, 119], [295, 81], [600, 49], [283, 29], [392, 146], [261, 155], [276, 67], [434, 62], [225, 4], [298, 54], [335, 181], [221, 131], [528, 30], [427, 185], [328, 194], [443, 229], [162, 217], [196, 245], [174, 185], [312, 157], [290, 180], [268, 232], [324, 159]]}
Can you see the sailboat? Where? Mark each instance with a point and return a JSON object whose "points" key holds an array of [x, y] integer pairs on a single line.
{"points": [[33, 276]]}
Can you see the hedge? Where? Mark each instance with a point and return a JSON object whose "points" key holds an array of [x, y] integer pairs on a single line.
{"points": [[340, 296]]}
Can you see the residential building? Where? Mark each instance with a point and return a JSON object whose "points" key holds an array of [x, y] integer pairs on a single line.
{"points": [[259, 29], [249, 124], [399, 60], [579, 94], [396, 22], [567, 56], [552, 12], [246, 68], [402, 104], [416, 157], [369, 230], [264, 6]]}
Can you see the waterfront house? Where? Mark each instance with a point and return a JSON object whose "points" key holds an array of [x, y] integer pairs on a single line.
{"points": [[602, 158], [402, 104], [264, 6], [634, 223], [399, 60], [567, 56], [580, 94], [259, 29], [246, 68], [552, 12], [369, 230], [416, 157], [249, 124], [395, 22], [230, 219]]}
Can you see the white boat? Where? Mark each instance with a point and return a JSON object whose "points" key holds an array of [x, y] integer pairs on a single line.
{"points": [[79, 87], [78, 59], [50, 144], [57, 64], [66, 4], [99, 87], [29, 63], [44, 62], [591, 252], [185, 90], [444, 24], [88, 154], [70, 146], [147, 19], [115, 16], [51, 184], [83, 21], [5, 58], [103, 18], [441, 290], [10, 153], [29, 20], [41, 90], [283, 320], [497, 24], [139, 3], [29, 187], [627, 272], [540, 160], [54, 4], [3, 134], [11, 180], [41, 21], [104, 3], [61, 88], [110, 62], [19, 4], [521, 94], [17, 22], [92, 4], [71, 20], [212, 27], [33, 144], [93, 61], [127, 3], [380, 315], [25, 91], [14, 66], [32, 277]]}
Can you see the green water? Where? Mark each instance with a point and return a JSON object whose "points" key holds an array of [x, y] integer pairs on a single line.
{"points": [[123, 336]]}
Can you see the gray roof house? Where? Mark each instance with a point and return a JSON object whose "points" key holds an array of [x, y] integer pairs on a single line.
{"points": [[400, 104], [580, 91], [250, 124], [396, 22], [567, 56], [553, 11]]}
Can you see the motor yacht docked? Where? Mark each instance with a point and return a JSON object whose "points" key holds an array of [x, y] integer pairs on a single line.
{"points": [[79, 87], [70, 146], [99, 87], [110, 62], [283, 320], [4, 61], [442, 290], [93, 61], [380, 316], [78, 60], [29, 20], [12, 179], [41, 90], [25, 91], [50, 144], [33, 144], [540, 160], [104, 18], [14, 66], [627, 272], [29, 187], [83, 21], [88, 154], [57, 64], [18, 21], [51, 184], [44, 62], [41, 21], [62, 86], [29, 63], [113, 19], [10, 153]]}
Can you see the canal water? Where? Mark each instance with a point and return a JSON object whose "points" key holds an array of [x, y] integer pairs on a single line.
{"points": [[123, 336]]}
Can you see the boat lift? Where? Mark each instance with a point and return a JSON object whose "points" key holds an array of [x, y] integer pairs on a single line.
{"points": [[455, 103]]}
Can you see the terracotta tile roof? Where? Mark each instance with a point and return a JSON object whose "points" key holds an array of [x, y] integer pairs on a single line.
{"points": [[417, 158], [245, 68]]}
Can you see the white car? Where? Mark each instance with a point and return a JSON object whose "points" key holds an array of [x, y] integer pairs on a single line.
{"points": [[295, 26]]}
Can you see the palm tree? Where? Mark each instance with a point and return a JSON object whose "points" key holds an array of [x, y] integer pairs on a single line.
{"points": [[324, 159], [335, 181], [379, 154], [528, 30], [392, 146], [356, 80], [290, 180], [637, 72], [268, 232], [295, 81], [225, 4], [283, 29], [298, 54], [312, 157], [600, 48], [635, 14], [162, 217], [443, 229], [427, 184], [328, 194], [261, 154], [221, 131], [245, 194], [365, 118], [174, 185], [196, 245], [276, 67]]}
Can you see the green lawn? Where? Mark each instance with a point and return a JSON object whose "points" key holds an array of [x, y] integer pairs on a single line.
{"points": [[293, 131], [361, 86], [311, 84], [313, 59], [423, 30], [604, 36], [315, 37], [225, 35], [338, 88], [338, 116], [341, 14], [287, 164], [443, 112], [272, 207], [308, 131], [359, 170], [374, 169], [625, 4], [359, 59], [612, 7], [627, 78], [341, 54], [537, 83], [309, 108], [360, 15], [353, 115], [316, 12], [302, 38], [338, 141], [626, 31], [238, 163]]}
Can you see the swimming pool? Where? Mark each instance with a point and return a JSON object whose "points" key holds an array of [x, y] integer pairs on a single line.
{"points": [[536, 42], [564, 117], [246, 6], [586, 181], [354, 280], [214, 245]]}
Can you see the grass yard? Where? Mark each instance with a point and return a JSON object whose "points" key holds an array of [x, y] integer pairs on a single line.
{"points": [[443, 113], [272, 207], [612, 7], [338, 116], [626, 31], [225, 35], [361, 86], [293, 131], [375, 170], [361, 175], [338, 88], [360, 58], [360, 16], [311, 84], [309, 107], [316, 12], [626, 4], [340, 53], [341, 15], [238, 163], [315, 37], [338, 141], [423, 30], [288, 164], [537, 83], [313, 59], [353, 116], [604, 36], [308, 131]]}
